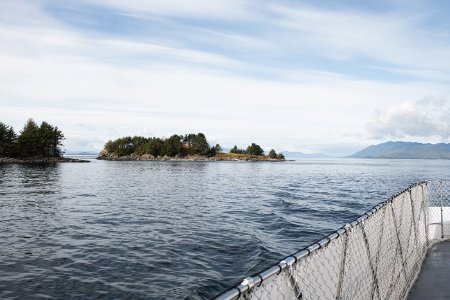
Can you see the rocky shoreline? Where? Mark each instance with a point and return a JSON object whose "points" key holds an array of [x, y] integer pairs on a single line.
{"points": [[40, 160], [148, 157]]}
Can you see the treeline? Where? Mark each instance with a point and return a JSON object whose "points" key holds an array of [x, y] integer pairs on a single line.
{"points": [[181, 145], [33, 140], [176, 145], [255, 149]]}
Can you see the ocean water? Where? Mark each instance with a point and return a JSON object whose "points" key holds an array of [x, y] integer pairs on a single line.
{"points": [[176, 230]]}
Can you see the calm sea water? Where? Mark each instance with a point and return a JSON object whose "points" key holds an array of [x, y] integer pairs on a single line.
{"points": [[175, 230]]}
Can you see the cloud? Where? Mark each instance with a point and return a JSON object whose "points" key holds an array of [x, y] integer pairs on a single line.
{"points": [[231, 9], [118, 85], [420, 119]]}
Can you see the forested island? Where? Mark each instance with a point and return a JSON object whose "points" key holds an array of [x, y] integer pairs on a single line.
{"points": [[181, 147], [34, 144]]}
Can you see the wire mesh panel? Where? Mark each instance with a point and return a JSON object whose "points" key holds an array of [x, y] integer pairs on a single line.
{"points": [[439, 212], [378, 256]]}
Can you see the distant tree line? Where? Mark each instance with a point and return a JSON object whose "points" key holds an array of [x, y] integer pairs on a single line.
{"points": [[33, 140], [255, 149], [177, 145], [181, 145]]}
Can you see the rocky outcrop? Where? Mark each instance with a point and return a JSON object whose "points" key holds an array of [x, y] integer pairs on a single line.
{"points": [[104, 155]]}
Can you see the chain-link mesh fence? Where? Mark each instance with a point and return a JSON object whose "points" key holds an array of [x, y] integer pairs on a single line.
{"points": [[378, 256]]}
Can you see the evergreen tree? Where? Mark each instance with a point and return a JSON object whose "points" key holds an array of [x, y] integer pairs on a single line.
{"points": [[172, 146], [255, 149], [236, 150], [200, 145], [121, 146], [212, 152], [7, 140], [28, 142], [50, 141], [153, 147], [58, 137], [272, 153], [218, 148], [196, 144], [281, 156]]}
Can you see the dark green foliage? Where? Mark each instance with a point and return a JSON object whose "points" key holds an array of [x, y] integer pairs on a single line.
{"points": [[138, 141], [7, 140], [28, 138], [196, 144], [281, 156], [172, 146], [236, 150], [176, 145], [212, 152], [192, 144], [50, 140], [33, 140], [255, 149], [121, 146], [153, 147], [272, 154]]}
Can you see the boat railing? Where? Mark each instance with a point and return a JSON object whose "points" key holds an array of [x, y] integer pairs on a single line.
{"points": [[377, 256]]}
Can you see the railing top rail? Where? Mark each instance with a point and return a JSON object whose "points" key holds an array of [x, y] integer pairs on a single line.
{"points": [[257, 279]]}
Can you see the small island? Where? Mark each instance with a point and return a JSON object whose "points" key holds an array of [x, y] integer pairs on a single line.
{"points": [[188, 147], [34, 144]]}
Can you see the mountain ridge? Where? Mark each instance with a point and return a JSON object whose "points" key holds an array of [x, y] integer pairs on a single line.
{"points": [[405, 150]]}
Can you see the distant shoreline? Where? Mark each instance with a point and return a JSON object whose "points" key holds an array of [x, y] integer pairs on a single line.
{"points": [[40, 160]]}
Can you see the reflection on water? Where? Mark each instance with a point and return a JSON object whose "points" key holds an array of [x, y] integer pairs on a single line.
{"points": [[155, 230]]}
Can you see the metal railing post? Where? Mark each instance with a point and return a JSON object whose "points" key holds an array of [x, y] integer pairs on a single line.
{"points": [[425, 214], [442, 207]]}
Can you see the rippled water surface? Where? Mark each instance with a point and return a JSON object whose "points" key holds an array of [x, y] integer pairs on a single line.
{"points": [[174, 230]]}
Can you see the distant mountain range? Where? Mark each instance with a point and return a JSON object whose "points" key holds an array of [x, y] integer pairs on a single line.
{"points": [[405, 150]]}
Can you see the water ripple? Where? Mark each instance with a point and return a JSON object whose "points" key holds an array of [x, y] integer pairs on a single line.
{"points": [[171, 230]]}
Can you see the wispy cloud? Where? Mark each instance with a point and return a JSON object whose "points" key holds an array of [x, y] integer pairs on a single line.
{"points": [[206, 9], [302, 74]]}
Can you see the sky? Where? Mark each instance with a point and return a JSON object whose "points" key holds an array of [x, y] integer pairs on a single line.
{"points": [[311, 76]]}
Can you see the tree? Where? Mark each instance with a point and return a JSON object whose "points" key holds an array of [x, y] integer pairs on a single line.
{"points": [[212, 152], [44, 140], [218, 148], [7, 140], [281, 156], [138, 141], [50, 141], [272, 154], [236, 150], [28, 142], [255, 149], [172, 146], [197, 144], [153, 147], [121, 146], [58, 137]]}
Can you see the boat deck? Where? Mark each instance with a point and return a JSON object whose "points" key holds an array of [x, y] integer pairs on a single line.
{"points": [[434, 278]]}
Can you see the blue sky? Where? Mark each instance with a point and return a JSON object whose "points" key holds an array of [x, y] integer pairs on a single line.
{"points": [[312, 76]]}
